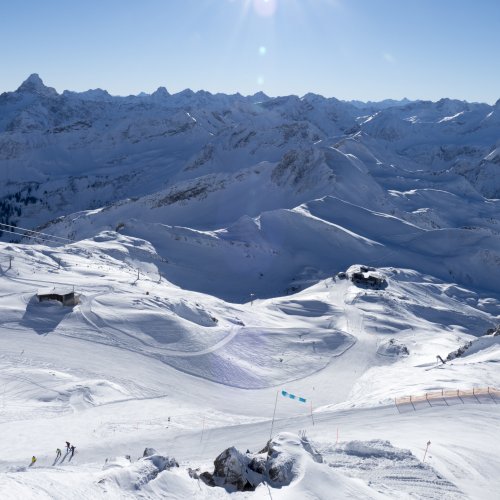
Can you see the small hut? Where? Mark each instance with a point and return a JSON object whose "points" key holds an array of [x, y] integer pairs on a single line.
{"points": [[65, 296], [369, 278]]}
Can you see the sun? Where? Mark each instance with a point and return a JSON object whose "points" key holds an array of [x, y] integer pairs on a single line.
{"points": [[264, 8]]}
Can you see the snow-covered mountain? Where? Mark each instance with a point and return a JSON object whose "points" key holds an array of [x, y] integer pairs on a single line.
{"points": [[225, 248], [254, 178]]}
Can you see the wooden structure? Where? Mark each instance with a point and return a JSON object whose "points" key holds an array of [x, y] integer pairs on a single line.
{"points": [[66, 297], [481, 395]]}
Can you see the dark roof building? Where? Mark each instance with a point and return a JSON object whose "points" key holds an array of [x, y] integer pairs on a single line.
{"points": [[65, 296]]}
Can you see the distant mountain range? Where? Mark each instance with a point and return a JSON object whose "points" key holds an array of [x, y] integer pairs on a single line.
{"points": [[272, 193]]}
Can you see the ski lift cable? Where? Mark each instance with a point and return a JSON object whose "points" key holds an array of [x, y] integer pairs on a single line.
{"points": [[33, 231], [43, 238], [36, 232]]}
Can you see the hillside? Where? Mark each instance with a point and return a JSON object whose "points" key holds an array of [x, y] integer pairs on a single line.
{"points": [[226, 248]]}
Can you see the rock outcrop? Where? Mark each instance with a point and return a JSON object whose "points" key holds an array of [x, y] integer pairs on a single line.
{"points": [[276, 464]]}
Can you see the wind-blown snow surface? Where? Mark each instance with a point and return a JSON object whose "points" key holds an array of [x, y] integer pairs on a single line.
{"points": [[205, 234], [144, 363]]}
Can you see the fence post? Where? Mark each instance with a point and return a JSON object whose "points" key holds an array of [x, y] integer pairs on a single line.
{"points": [[412, 404], [396, 405], [458, 396], [444, 399], [474, 394], [427, 399]]}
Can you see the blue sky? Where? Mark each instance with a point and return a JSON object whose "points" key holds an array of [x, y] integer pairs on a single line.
{"points": [[350, 49]]}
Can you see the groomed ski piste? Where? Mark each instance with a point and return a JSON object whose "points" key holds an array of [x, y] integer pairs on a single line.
{"points": [[142, 363]]}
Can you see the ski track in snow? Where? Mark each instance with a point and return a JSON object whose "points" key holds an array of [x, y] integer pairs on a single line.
{"points": [[203, 235], [119, 400]]}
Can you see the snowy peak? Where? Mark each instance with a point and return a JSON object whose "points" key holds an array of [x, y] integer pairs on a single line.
{"points": [[89, 95], [260, 96], [379, 105], [160, 93], [34, 85]]}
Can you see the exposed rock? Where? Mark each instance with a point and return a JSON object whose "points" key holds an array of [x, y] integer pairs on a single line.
{"points": [[393, 347], [493, 331], [459, 352], [149, 452], [275, 464], [258, 464], [231, 471]]}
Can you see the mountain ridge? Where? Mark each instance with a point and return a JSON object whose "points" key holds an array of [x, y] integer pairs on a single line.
{"points": [[80, 163]]}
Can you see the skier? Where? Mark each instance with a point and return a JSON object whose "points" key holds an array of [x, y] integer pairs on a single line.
{"points": [[72, 451], [68, 446], [33, 460], [58, 453]]}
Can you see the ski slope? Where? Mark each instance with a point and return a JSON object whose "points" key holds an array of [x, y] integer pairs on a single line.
{"points": [[141, 362]]}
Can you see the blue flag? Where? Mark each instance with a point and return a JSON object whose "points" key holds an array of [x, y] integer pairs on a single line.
{"points": [[293, 396]]}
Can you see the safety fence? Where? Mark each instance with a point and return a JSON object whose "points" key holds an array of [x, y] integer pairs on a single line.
{"points": [[487, 395]]}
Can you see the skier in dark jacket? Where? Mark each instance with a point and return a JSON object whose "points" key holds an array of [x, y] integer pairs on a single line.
{"points": [[68, 446], [72, 451], [58, 453]]}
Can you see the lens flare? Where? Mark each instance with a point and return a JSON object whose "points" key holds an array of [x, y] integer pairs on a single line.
{"points": [[265, 8], [262, 50]]}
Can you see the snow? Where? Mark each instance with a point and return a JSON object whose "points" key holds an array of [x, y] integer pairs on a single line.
{"points": [[205, 387], [205, 237]]}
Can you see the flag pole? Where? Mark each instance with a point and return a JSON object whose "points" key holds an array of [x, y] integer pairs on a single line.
{"points": [[274, 414]]}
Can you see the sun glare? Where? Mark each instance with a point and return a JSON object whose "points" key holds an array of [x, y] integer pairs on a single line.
{"points": [[265, 8]]}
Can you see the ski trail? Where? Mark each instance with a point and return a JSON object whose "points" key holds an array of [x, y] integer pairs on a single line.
{"points": [[362, 354], [87, 313]]}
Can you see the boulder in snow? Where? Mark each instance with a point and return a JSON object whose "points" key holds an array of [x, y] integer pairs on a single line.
{"points": [[149, 452], [277, 464]]}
